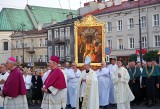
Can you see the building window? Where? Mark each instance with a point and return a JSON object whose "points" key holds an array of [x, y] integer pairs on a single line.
{"points": [[46, 58], [143, 22], [50, 35], [16, 43], [5, 46], [144, 42], [130, 23], [21, 59], [67, 32], [32, 43], [157, 40], [119, 25], [56, 51], [109, 26], [50, 51], [120, 43], [56, 33], [156, 20], [62, 51], [40, 58], [110, 44], [17, 58], [62, 33], [68, 50], [40, 42], [131, 42], [21, 43], [46, 41]]}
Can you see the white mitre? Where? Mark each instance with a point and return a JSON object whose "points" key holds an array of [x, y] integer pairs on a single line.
{"points": [[88, 60]]}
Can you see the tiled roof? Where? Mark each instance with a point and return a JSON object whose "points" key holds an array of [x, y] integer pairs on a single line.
{"points": [[46, 14], [125, 5], [11, 19]]}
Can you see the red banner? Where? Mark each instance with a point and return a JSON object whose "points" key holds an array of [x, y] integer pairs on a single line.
{"points": [[144, 51]]}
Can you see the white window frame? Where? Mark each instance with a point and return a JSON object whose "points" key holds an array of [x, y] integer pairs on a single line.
{"points": [[109, 26], [143, 22], [50, 35], [144, 41], [68, 50], [131, 23], [61, 33], [109, 43], [46, 58], [16, 44], [62, 51], [157, 40], [7, 46], [50, 51], [119, 25], [56, 35], [131, 43], [45, 42], [120, 46], [67, 32], [40, 42], [156, 20], [56, 48], [21, 58]]}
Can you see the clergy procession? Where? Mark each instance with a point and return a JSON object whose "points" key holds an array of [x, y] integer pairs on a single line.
{"points": [[67, 87]]}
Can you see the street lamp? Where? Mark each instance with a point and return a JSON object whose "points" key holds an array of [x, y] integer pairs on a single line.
{"points": [[23, 25], [139, 23]]}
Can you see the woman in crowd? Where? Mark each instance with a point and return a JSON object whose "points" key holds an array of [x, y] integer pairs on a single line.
{"points": [[37, 84]]}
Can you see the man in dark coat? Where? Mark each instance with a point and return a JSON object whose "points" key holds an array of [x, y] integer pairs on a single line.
{"points": [[150, 80], [134, 82]]}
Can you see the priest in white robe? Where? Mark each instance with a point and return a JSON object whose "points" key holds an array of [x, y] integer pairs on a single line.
{"points": [[112, 68], [122, 92], [73, 86], [67, 70], [3, 77], [103, 85], [89, 87]]}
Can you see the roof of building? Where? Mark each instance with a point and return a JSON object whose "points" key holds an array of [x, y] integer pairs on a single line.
{"points": [[46, 14], [69, 21], [11, 19], [124, 6]]}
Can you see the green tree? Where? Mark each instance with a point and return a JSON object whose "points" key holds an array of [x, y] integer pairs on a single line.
{"points": [[151, 55]]}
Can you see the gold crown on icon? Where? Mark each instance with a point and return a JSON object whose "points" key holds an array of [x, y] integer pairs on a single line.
{"points": [[89, 31]]}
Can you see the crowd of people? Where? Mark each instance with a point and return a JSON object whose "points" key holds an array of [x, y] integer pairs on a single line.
{"points": [[61, 87]]}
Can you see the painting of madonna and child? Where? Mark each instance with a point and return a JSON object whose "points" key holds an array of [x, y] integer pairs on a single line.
{"points": [[90, 43]]}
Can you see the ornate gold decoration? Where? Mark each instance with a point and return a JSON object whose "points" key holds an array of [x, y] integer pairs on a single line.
{"points": [[89, 25], [149, 74], [87, 92]]}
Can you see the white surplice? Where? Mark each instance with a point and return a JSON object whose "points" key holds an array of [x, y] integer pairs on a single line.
{"points": [[3, 77], [45, 75], [89, 90], [123, 94], [67, 70], [112, 68], [54, 100], [103, 85], [73, 87], [27, 81]]}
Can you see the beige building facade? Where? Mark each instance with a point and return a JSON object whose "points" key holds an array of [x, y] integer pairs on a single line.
{"points": [[122, 25], [34, 50], [5, 45]]}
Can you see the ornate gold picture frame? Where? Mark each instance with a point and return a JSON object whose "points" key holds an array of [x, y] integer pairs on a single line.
{"points": [[89, 40]]}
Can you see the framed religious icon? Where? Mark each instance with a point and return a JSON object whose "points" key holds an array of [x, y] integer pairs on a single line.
{"points": [[89, 40]]}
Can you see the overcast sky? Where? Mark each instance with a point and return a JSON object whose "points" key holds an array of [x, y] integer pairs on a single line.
{"points": [[66, 4]]}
